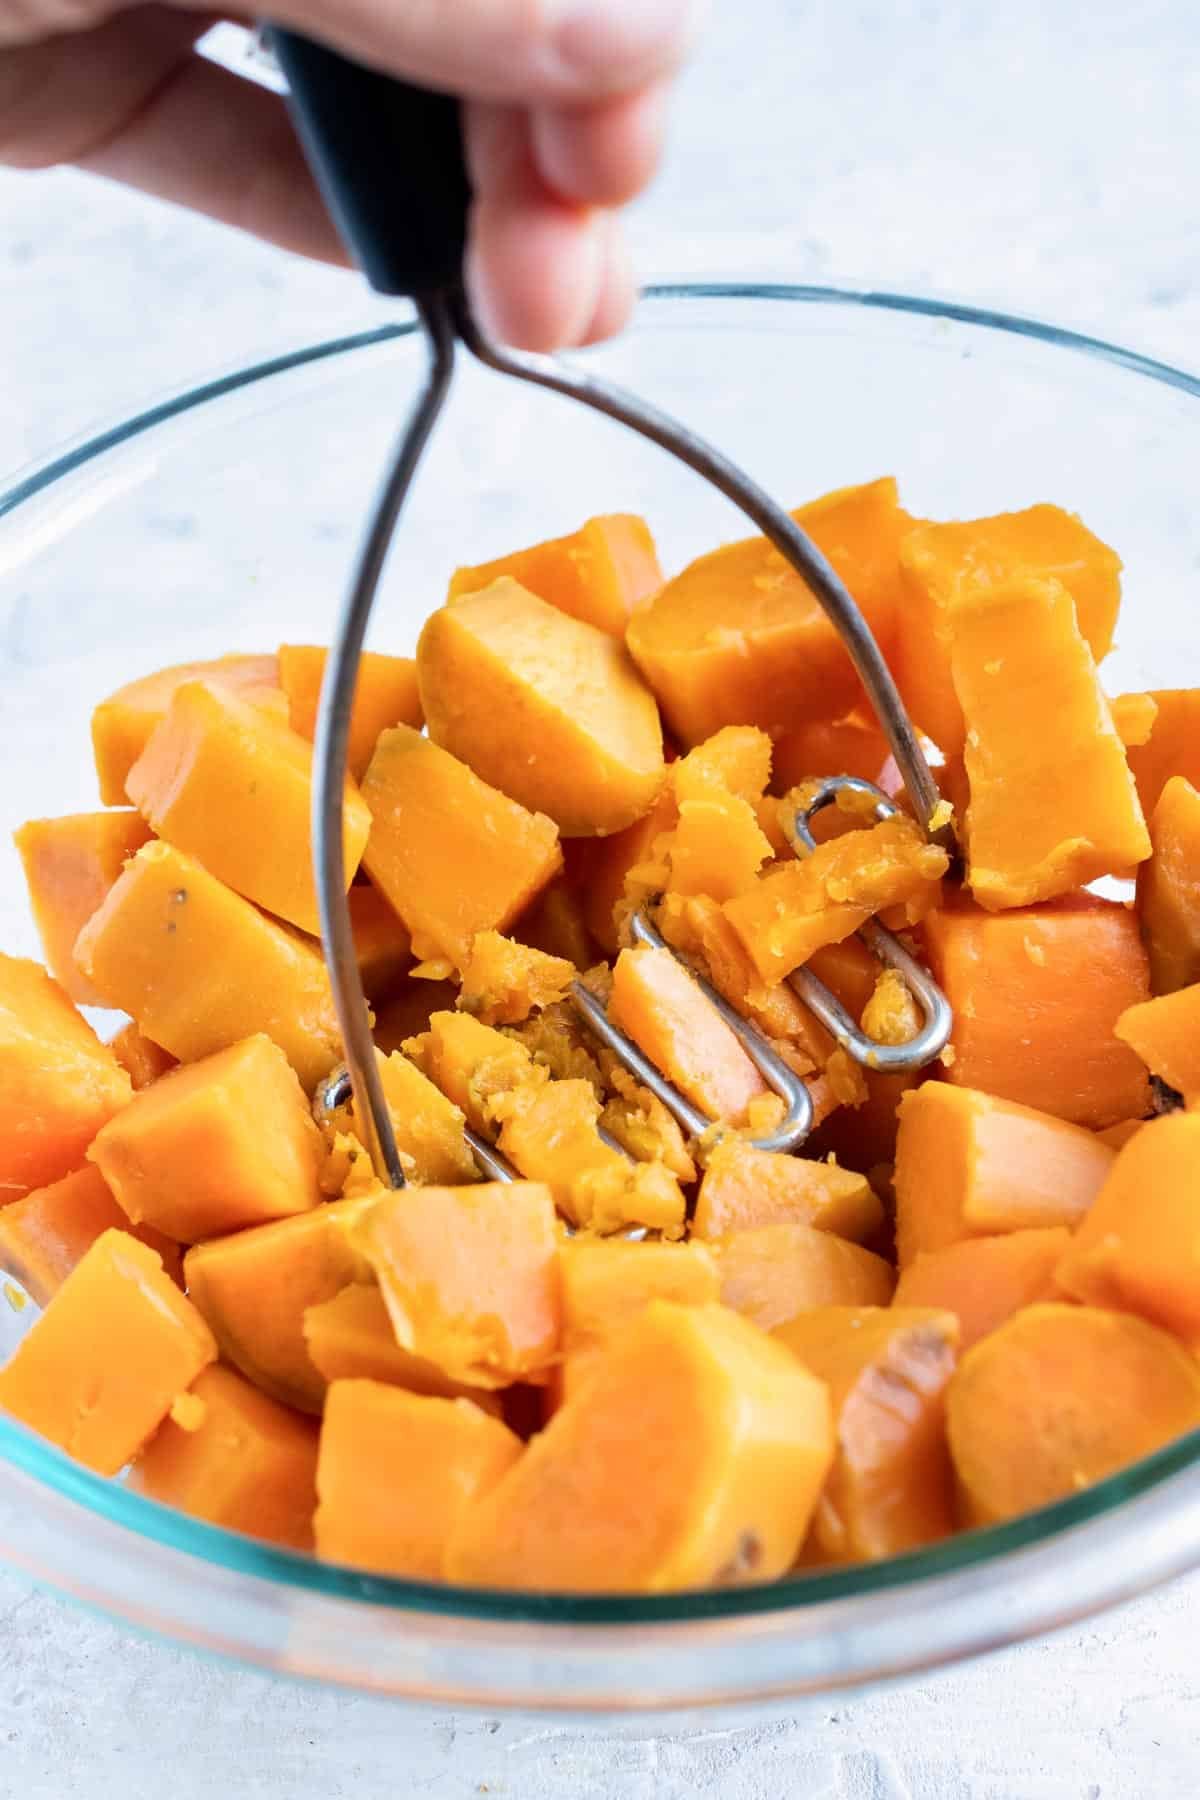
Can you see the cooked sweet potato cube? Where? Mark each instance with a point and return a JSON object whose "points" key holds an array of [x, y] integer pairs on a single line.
{"points": [[985, 1280], [1060, 1397], [503, 981], [200, 968], [44, 1235], [773, 1272], [453, 855], [121, 725], [743, 1187], [608, 1282], [351, 1337], [428, 1127], [381, 941], [99, 1370], [598, 574], [1168, 892], [385, 694], [1173, 744], [397, 1474], [70, 864], [224, 1143], [657, 1003], [692, 1456], [58, 1083], [1165, 1033], [245, 1462]]}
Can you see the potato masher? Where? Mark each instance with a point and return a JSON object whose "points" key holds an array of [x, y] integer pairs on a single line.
{"points": [[389, 160]]}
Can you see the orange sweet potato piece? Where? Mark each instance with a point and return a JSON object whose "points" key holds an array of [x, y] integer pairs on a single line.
{"points": [[1060, 1397], [472, 1063], [381, 940], [398, 1472], [598, 574], [615, 873], [969, 1164], [717, 846], [549, 710], [142, 1060], [738, 639], [945, 563], [503, 981], [247, 1463], [1138, 1248], [890, 1488], [1173, 745], [351, 1337], [744, 1187], [254, 1288], [550, 1132], [657, 1003], [428, 1126], [819, 747], [1134, 716], [985, 1280], [692, 1456], [58, 1083], [639, 1122], [121, 725], [773, 1272], [70, 864], [1165, 1033], [802, 905], [199, 968], [99, 1370], [1052, 803], [608, 1282], [385, 694], [1118, 1135], [226, 1142], [1168, 891], [232, 786], [470, 1276], [453, 855], [45, 1234], [1036, 995]]}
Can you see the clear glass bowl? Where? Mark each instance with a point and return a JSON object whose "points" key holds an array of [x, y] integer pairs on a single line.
{"points": [[225, 519]]}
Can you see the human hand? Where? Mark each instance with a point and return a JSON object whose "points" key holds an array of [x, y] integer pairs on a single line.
{"points": [[563, 122]]}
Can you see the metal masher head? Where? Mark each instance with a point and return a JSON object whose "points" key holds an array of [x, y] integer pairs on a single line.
{"points": [[389, 160]]}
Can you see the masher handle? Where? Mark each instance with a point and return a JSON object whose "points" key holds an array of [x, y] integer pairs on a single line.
{"points": [[389, 161]]}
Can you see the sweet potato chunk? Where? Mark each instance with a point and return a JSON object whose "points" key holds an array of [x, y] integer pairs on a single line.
{"points": [[946, 563], [614, 874], [773, 1272], [70, 864], [545, 708], [58, 1083], [121, 725], [968, 1165], [692, 1456], [351, 1337], [230, 785], [985, 1280], [397, 1474], [738, 639], [817, 747], [226, 1142], [428, 1127], [472, 1064], [44, 1235], [247, 1464], [385, 694], [1172, 747], [503, 981], [142, 1060], [598, 574], [381, 941], [605, 1284], [101, 1367], [255, 1287], [550, 1132], [802, 905], [1165, 1033], [1060, 1397], [1052, 803], [199, 968], [657, 1003], [1036, 996], [717, 846], [470, 1276], [1168, 892], [744, 1187], [453, 855], [1138, 1249], [889, 1489]]}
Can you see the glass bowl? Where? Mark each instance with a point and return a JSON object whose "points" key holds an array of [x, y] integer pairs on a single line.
{"points": [[225, 519]]}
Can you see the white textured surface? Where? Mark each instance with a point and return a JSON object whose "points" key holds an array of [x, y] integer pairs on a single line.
{"points": [[1036, 156]]}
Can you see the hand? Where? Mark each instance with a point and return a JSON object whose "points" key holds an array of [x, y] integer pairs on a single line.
{"points": [[563, 119]]}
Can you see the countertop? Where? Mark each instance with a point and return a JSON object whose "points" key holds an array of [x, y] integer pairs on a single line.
{"points": [[1037, 157]]}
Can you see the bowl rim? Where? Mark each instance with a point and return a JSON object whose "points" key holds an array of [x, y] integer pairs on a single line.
{"points": [[863, 1618]]}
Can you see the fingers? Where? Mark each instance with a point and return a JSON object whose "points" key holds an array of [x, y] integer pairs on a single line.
{"points": [[534, 52], [543, 273], [601, 155]]}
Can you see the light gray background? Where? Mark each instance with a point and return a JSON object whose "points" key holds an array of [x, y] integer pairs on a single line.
{"points": [[1040, 155]]}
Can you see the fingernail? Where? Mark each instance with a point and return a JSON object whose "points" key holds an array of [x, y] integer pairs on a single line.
{"points": [[620, 44]]}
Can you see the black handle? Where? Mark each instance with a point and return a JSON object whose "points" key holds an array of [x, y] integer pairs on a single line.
{"points": [[389, 161]]}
